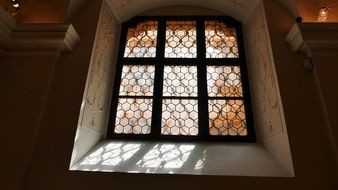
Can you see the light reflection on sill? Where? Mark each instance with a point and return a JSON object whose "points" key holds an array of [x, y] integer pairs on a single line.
{"points": [[140, 158], [225, 159]]}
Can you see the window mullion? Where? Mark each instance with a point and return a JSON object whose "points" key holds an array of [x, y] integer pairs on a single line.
{"points": [[202, 81], [117, 81], [158, 83], [245, 85]]}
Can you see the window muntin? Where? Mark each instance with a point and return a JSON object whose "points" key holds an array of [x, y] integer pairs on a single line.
{"points": [[196, 91]]}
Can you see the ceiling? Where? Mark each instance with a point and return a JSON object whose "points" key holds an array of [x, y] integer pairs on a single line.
{"points": [[309, 9], [239, 9], [58, 11]]}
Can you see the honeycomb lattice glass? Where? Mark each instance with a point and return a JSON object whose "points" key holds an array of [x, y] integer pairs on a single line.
{"points": [[224, 81], [141, 41], [137, 80], [221, 41], [179, 117], [227, 118], [180, 39], [180, 81], [133, 116]]}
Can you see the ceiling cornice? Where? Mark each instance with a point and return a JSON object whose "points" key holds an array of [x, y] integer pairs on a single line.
{"points": [[35, 37], [309, 38]]}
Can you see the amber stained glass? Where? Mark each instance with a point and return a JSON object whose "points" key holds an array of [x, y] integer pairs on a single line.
{"points": [[133, 116], [227, 118], [221, 41], [180, 81], [137, 80], [179, 117], [141, 40], [224, 81], [180, 39]]}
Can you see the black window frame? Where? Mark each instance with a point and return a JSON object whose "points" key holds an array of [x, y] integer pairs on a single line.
{"points": [[201, 62]]}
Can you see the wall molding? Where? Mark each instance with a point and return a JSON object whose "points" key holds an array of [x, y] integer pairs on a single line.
{"points": [[308, 38], [36, 37]]}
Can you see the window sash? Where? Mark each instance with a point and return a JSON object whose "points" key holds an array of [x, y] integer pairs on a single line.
{"points": [[159, 61]]}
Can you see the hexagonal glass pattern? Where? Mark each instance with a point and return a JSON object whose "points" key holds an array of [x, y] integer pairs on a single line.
{"points": [[137, 80], [224, 81], [221, 41], [227, 118], [180, 81], [141, 41], [133, 116], [181, 39], [179, 117]]}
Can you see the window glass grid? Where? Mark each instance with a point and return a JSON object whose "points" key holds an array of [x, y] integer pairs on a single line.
{"points": [[180, 39], [180, 81], [180, 89], [221, 41], [227, 118], [133, 116], [142, 40], [224, 81], [137, 80], [179, 117]]}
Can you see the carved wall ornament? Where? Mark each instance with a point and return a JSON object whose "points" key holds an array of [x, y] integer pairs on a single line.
{"points": [[262, 75], [126, 3], [97, 97]]}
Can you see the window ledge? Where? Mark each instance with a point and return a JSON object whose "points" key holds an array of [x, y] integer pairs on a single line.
{"points": [[225, 159]]}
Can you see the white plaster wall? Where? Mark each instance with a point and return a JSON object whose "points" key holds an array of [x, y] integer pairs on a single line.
{"points": [[93, 119], [267, 105]]}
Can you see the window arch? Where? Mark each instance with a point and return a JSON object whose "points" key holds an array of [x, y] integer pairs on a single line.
{"points": [[181, 78]]}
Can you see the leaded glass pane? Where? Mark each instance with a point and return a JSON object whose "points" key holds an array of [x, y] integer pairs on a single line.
{"points": [[141, 41], [180, 39], [227, 118], [179, 117], [137, 80], [224, 81], [133, 116], [180, 81], [221, 41]]}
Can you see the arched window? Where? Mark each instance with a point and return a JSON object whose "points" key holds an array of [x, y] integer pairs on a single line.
{"points": [[181, 78]]}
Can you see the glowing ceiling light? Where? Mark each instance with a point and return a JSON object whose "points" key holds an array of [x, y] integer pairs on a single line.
{"points": [[323, 13], [16, 5]]}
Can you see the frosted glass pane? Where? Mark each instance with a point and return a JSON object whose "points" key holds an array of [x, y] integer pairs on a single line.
{"points": [[180, 81], [180, 39], [221, 41], [137, 80], [179, 117], [227, 118], [224, 81], [133, 116], [141, 40]]}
